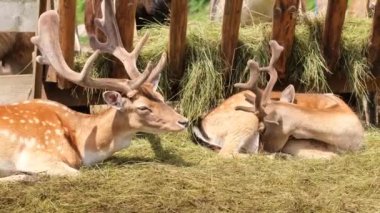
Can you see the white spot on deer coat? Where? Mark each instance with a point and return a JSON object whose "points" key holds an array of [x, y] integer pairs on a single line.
{"points": [[58, 132]]}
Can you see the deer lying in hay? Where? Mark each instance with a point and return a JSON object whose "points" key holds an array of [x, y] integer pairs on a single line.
{"points": [[45, 136], [304, 125]]}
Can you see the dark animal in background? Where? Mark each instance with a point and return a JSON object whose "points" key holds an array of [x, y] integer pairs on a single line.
{"points": [[15, 53], [148, 11]]}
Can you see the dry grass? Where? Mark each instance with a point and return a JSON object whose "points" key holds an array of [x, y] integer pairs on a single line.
{"points": [[171, 174], [307, 67]]}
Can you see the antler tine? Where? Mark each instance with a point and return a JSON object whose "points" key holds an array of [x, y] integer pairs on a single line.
{"points": [[107, 24], [47, 42], [158, 68], [254, 75], [114, 45], [276, 51]]}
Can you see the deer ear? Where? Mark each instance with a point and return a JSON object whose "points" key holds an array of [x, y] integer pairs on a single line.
{"points": [[113, 99], [272, 118], [288, 94]]}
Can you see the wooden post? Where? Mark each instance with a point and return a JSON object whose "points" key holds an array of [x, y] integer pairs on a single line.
{"points": [[38, 68], [177, 40], [125, 16], [332, 32], [374, 47], [230, 33], [66, 12], [284, 25]]}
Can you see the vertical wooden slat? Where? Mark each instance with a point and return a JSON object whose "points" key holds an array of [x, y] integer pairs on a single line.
{"points": [[230, 33], [374, 47], [66, 11], [284, 25], [125, 16], [332, 32], [38, 68], [177, 39]]}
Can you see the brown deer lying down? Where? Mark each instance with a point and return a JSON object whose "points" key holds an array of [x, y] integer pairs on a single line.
{"points": [[280, 129], [45, 136]]}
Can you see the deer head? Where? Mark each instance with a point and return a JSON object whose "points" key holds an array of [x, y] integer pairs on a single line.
{"points": [[136, 100]]}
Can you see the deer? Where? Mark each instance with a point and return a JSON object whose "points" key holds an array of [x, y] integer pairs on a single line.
{"points": [[333, 128], [213, 129], [41, 136]]}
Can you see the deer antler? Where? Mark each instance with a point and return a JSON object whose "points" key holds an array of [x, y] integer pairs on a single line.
{"points": [[114, 45], [251, 84], [276, 50], [47, 42], [262, 98]]}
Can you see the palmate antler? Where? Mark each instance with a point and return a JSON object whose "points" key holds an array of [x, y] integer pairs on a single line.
{"points": [[47, 42], [114, 45], [262, 98]]}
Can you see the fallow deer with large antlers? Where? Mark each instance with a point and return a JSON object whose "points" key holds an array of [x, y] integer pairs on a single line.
{"points": [[327, 123], [44, 136]]}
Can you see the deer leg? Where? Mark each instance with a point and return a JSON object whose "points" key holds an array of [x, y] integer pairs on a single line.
{"points": [[18, 178], [235, 143], [310, 149]]}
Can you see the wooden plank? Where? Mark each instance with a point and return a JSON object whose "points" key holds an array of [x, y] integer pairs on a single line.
{"points": [[284, 25], [230, 33], [20, 16], [15, 88], [374, 48], [177, 39], [66, 11], [125, 16], [38, 68], [332, 32]]}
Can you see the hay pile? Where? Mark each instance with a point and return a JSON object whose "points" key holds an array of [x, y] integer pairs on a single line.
{"points": [[170, 174], [202, 85]]}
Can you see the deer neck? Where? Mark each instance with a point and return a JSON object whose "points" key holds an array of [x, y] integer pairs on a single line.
{"points": [[99, 136]]}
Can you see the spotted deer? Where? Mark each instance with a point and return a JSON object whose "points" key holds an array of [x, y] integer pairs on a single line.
{"points": [[41, 136], [213, 128]]}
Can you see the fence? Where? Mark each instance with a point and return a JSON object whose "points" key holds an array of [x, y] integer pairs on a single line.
{"points": [[283, 30]]}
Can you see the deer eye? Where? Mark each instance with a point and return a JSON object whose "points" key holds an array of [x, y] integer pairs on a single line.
{"points": [[144, 109]]}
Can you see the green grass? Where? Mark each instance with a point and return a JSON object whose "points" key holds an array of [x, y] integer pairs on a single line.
{"points": [[171, 174]]}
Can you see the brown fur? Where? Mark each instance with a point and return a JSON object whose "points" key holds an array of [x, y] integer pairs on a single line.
{"points": [[15, 52], [216, 125], [45, 136]]}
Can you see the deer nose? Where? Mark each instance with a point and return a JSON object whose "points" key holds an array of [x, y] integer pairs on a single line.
{"points": [[184, 123]]}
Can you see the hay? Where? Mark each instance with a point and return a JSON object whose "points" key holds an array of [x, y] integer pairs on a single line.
{"points": [[171, 174], [306, 66]]}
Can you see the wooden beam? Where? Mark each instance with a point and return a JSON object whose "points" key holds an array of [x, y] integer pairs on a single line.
{"points": [[284, 25], [125, 17], [374, 47], [177, 39], [38, 68], [230, 33], [66, 11], [332, 32]]}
